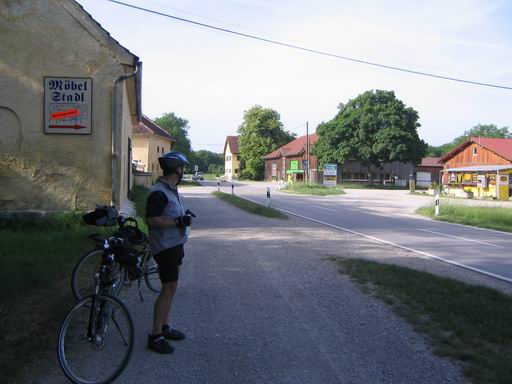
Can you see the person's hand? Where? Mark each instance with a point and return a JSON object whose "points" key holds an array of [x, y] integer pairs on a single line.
{"points": [[183, 221]]}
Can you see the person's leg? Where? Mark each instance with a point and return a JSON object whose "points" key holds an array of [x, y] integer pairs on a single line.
{"points": [[163, 306]]}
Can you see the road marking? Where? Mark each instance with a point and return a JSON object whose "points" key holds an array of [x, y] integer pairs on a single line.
{"points": [[481, 271], [327, 209], [460, 238]]}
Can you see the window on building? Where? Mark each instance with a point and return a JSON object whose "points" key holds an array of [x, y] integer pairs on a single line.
{"points": [[475, 151], [236, 170], [238, 157], [228, 158]]}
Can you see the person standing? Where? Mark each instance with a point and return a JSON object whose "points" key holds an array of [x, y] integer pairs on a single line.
{"points": [[169, 226]]}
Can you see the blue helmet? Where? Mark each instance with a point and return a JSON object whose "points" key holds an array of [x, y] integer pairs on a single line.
{"points": [[172, 160]]}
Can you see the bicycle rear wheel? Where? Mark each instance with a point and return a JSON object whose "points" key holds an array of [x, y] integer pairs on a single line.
{"points": [[82, 278], [98, 356], [151, 276]]}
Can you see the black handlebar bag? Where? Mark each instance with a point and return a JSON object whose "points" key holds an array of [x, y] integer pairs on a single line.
{"points": [[103, 215]]}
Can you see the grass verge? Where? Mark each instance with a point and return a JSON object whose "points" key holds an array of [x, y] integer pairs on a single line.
{"points": [[312, 189], [37, 257], [249, 206], [497, 218], [468, 323]]}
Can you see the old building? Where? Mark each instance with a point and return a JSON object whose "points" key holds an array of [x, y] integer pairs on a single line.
{"points": [[70, 95], [231, 158], [289, 162], [395, 172], [428, 171], [149, 143], [479, 167]]}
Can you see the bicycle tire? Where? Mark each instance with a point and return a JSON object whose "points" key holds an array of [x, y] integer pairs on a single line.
{"points": [[152, 276], [82, 278], [79, 358]]}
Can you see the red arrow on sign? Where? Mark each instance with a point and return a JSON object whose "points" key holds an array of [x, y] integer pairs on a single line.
{"points": [[72, 112], [76, 126]]}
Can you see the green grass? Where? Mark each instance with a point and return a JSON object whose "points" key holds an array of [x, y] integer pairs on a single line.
{"points": [[312, 189], [497, 218], [37, 257], [249, 206], [471, 324]]}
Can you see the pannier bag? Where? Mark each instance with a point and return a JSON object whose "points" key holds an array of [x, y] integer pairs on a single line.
{"points": [[103, 215]]}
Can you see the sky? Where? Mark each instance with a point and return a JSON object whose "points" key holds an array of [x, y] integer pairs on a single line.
{"points": [[210, 77]]}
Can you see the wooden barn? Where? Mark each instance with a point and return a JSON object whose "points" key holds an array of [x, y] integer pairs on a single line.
{"points": [[479, 167]]}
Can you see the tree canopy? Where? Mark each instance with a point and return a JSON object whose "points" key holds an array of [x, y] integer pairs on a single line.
{"points": [[208, 161], [480, 130], [177, 127], [374, 127], [260, 133]]}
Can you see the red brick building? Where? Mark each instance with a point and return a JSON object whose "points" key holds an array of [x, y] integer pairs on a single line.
{"points": [[289, 161]]}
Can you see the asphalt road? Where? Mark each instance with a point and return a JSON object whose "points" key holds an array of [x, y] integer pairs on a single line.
{"points": [[260, 303], [389, 217]]}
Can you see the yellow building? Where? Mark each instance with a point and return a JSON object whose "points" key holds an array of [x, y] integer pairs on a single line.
{"points": [[70, 95], [231, 158], [149, 143]]}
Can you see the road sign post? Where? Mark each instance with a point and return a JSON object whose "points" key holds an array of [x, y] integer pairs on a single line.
{"points": [[232, 188], [438, 203]]}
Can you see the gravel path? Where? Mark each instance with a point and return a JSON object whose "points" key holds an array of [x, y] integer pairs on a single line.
{"points": [[261, 304]]}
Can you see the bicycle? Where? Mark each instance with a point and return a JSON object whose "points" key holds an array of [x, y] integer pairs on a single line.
{"points": [[96, 337], [82, 277]]}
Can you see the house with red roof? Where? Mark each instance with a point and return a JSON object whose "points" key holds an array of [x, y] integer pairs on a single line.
{"points": [[479, 167], [428, 171], [289, 162], [231, 158], [150, 141]]}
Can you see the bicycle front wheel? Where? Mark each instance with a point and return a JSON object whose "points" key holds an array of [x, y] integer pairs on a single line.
{"points": [[151, 276], [96, 341], [82, 278]]}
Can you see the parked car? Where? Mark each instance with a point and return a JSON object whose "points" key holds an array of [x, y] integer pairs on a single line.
{"points": [[198, 176]]}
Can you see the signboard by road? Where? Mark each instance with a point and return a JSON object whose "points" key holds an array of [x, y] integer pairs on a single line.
{"points": [[330, 174]]}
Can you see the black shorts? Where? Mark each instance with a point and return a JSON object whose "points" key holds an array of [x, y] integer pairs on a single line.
{"points": [[169, 261]]}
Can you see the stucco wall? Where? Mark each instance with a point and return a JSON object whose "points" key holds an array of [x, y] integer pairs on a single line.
{"points": [[232, 164], [53, 171], [141, 149]]}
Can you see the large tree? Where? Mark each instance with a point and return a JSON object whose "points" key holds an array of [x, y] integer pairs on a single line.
{"points": [[261, 132], [177, 128], [480, 130], [373, 128], [207, 161]]}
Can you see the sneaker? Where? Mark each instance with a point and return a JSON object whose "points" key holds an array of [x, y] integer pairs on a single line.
{"points": [[158, 344], [172, 334]]}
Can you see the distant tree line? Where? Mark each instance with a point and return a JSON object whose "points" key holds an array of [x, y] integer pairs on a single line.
{"points": [[178, 127]]}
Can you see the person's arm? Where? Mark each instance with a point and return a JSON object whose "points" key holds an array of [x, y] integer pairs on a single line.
{"points": [[155, 206]]}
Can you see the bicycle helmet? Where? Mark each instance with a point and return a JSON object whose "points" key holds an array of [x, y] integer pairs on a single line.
{"points": [[172, 160]]}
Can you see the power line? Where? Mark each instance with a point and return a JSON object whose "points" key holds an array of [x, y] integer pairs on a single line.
{"points": [[323, 53]]}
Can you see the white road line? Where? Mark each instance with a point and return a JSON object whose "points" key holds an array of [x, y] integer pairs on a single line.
{"points": [[460, 238], [327, 209], [499, 277]]}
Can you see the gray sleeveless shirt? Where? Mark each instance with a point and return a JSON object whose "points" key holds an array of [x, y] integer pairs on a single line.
{"points": [[160, 239]]}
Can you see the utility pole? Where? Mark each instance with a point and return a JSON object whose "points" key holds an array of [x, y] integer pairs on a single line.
{"points": [[307, 151]]}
